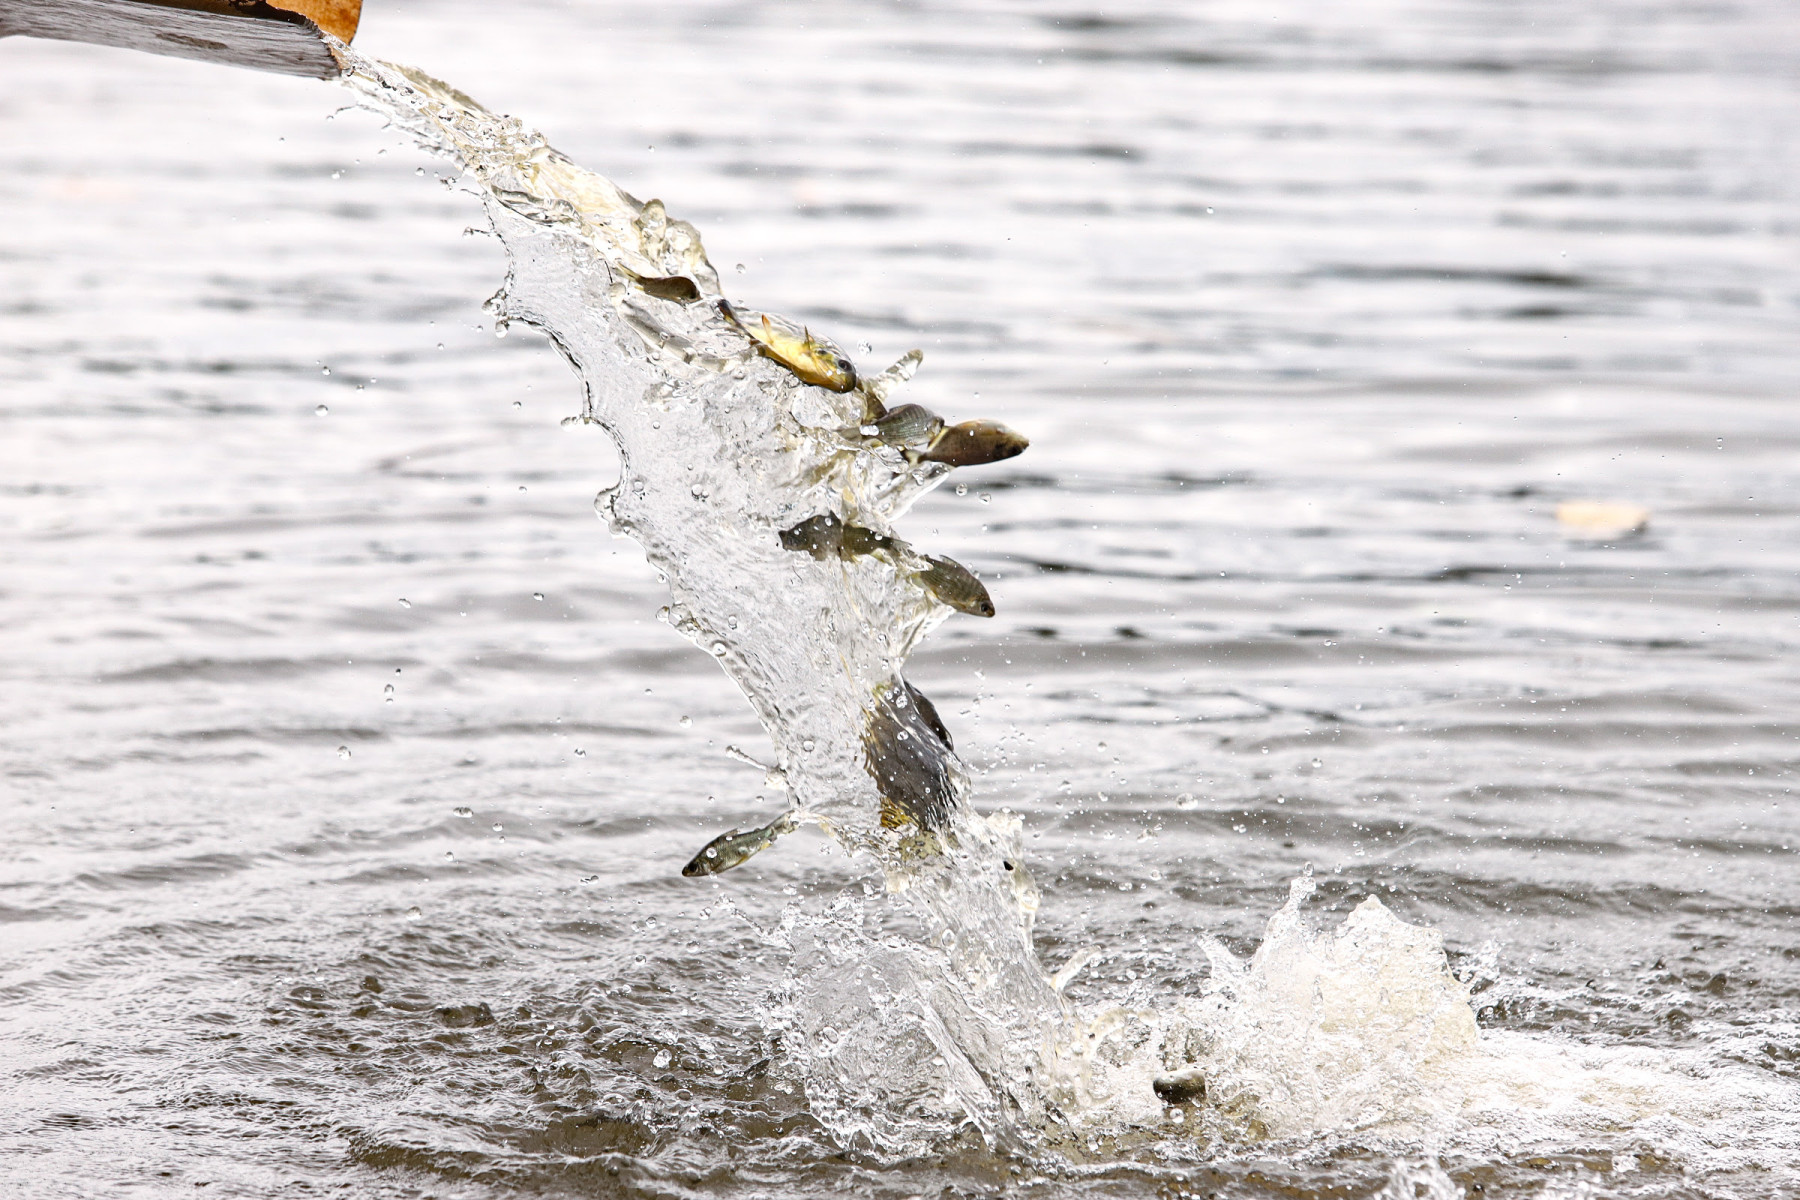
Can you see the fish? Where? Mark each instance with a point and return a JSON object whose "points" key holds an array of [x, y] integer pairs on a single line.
{"points": [[910, 425], [909, 760], [812, 360], [819, 536], [678, 288], [975, 443], [949, 582], [732, 848], [1180, 1087], [824, 535]]}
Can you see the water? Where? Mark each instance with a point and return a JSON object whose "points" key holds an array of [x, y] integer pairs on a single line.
{"points": [[1279, 582]]}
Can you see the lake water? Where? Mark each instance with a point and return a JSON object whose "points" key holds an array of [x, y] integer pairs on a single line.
{"points": [[347, 772]]}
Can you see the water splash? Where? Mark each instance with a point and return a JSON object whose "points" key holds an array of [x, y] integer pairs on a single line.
{"points": [[763, 473]]}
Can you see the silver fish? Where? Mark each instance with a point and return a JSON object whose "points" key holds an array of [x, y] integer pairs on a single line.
{"points": [[949, 582], [1180, 1087], [910, 425], [974, 443], [732, 848]]}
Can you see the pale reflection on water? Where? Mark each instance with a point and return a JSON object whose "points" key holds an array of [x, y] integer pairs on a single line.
{"points": [[1313, 316]]}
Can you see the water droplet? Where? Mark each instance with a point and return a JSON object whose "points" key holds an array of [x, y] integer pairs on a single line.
{"points": [[740, 268], [719, 649], [731, 622], [518, 404], [580, 753], [419, 171], [498, 827], [662, 1059], [388, 691], [663, 614], [322, 411], [962, 489], [537, 595], [987, 497], [324, 370], [866, 347], [413, 913], [462, 810], [440, 345], [808, 745], [343, 752], [687, 722]]}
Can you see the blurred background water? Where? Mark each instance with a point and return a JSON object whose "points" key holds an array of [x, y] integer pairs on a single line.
{"points": [[347, 775]]}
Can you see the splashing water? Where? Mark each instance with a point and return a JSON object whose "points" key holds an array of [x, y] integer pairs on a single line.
{"points": [[767, 502], [762, 475]]}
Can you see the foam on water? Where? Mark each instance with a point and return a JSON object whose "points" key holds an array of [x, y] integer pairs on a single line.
{"points": [[903, 1037], [1364, 1031]]}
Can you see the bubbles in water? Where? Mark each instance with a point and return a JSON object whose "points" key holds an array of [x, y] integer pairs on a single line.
{"points": [[322, 411], [343, 752], [387, 692], [462, 810], [537, 595], [405, 603], [413, 913], [663, 1059]]}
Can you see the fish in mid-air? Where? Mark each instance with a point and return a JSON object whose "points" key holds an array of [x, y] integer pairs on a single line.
{"points": [[732, 848], [811, 359]]}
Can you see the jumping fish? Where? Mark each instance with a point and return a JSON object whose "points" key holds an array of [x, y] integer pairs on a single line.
{"points": [[733, 848], [678, 288], [949, 582], [975, 443], [814, 361], [909, 426], [1180, 1087]]}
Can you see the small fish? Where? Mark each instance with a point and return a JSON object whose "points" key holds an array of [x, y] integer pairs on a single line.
{"points": [[949, 582], [909, 426], [732, 848], [974, 443], [1180, 1087], [824, 536], [814, 361], [678, 288], [819, 536]]}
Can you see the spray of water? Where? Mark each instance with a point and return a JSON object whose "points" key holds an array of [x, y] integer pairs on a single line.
{"points": [[763, 473]]}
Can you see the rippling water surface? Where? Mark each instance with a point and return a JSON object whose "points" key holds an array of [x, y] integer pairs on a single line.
{"points": [[347, 772]]}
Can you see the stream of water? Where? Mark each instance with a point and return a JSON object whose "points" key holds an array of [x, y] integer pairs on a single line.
{"points": [[351, 770]]}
